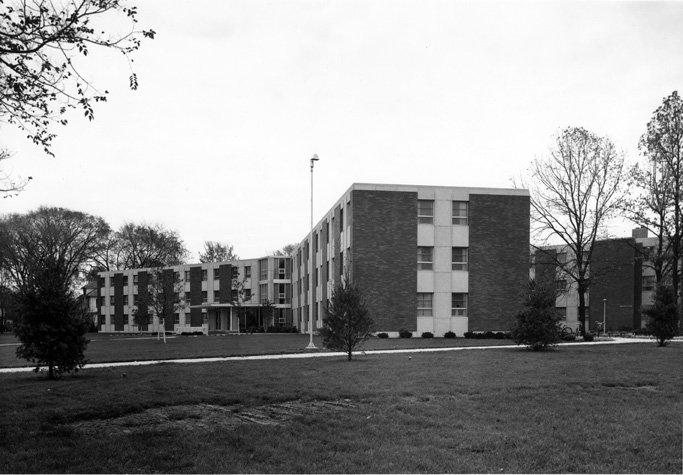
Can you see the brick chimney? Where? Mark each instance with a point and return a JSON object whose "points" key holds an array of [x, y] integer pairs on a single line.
{"points": [[639, 233]]}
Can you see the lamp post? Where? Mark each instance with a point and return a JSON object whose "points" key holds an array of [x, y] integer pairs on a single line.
{"points": [[604, 315], [311, 345]]}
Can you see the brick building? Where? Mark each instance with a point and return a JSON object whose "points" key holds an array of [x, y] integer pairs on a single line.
{"points": [[623, 282], [428, 258]]}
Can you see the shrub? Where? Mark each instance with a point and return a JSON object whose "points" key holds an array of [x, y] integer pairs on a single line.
{"points": [[499, 335], [405, 333], [468, 335], [427, 335], [663, 315], [382, 335], [588, 337], [538, 325], [488, 335], [449, 335]]}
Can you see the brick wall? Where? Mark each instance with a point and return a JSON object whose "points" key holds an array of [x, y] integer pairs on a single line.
{"points": [[499, 259], [384, 232], [613, 273]]}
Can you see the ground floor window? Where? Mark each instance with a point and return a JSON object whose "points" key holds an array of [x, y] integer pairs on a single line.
{"points": [[424, 304], [459, 305]]}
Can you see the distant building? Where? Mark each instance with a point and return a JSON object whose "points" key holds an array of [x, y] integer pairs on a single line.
{"points": [[623, 282], [428, 258]]}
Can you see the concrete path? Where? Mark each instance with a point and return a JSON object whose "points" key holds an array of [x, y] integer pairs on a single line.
{"points": [[316, 354]]}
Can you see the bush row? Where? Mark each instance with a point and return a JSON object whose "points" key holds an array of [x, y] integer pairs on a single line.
{"points": [[488, 335]]}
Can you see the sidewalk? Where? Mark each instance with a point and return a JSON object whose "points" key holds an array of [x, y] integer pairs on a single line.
{"points": [[316, 354]]}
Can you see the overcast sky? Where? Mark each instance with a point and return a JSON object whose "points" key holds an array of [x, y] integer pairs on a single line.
{"points": [[235, 97]]}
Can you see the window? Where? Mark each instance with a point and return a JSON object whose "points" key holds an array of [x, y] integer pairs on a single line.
{"points": [[425, 211], [102, 282], [205, 317], [111, 300], [247, 295], [562, 257], [125, 281], [176, 318], [111, 281], [341, 220], [176, 276], [216, 296], [187, 275], [247, 272], [187, 297], [135, 279], [425, 258], [561, 285], [461, 213], [458, 305], [235, 272], [263, 269], [125, 300], [648, 283], [216, 274], [204, 296], [263, 292], [204, 275], [135, 300], [459, 258], [561, 312], [424, 304]]}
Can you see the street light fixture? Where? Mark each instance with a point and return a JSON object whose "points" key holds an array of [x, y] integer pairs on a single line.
{"points": [[311, 345]]}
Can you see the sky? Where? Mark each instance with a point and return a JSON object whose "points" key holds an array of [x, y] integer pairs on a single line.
{"points": [[235, 97]]}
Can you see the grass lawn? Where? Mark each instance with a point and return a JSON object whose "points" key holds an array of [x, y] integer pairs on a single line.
{"points": [[105, 348], [597, 409]]}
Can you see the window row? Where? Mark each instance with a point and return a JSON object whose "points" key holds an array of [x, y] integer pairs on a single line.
{"points": [[458, 304], [204, 276], [425, 258], [459, 213]]}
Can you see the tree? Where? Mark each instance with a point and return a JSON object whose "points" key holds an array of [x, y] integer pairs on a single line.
{"points": [[8, 185], [136, 246], [574, 191], [162, 297], [40, 45], [286, 250], [663, 315], [347, 322], [215, 251], [538, 325], [662, 146], [43, 253], [266, 311]]}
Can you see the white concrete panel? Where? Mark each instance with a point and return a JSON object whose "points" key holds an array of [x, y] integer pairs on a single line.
{"points": [[460, 281], [441, 304], [442, 236], [459, 325], [424, 324], [425, 235], [443, 212], [441, 326], [460, 236], [442, 282], [425, 281], [442, 259]]}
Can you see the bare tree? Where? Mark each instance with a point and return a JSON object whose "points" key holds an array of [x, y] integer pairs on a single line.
{"points": [[286, 250], [10, 186], [39, 45], [574, 190], [215, 251], [161, 297], [136, 246], [661, 206]]}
